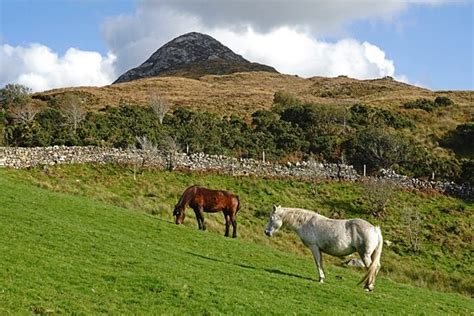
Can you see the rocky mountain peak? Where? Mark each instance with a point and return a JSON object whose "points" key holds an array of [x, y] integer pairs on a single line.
{"points": [[192, 55]]}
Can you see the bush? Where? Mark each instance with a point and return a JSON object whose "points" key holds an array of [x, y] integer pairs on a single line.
{"points": [[467, 171], [423, 104], [377, 148], [442, 101], [428, 105], [377, 194], [363, 115], [282, 100]]}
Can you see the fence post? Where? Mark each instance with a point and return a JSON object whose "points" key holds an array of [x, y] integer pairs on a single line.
{"points": [[365, 170], [263, 156]]}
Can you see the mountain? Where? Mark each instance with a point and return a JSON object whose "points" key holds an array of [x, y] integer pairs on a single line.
{"points": [[192, 55]]}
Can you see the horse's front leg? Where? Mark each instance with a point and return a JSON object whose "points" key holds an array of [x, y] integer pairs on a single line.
{"points": [[198, 218], [318, 259], [201, 215], [227, 224]]}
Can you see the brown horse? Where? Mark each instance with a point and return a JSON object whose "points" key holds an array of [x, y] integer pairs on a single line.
{"points": [[210, 201]]}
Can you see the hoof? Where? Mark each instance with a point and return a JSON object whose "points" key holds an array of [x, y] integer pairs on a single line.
{"points": [[370, 288], [321, 280]]}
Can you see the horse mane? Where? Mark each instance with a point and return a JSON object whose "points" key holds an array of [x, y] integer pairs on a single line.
{"points": [[297, 217], [185, 194]]}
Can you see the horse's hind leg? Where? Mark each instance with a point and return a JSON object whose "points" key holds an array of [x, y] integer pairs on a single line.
{"points": [[319, 262], [366, 258], [234, 225]]}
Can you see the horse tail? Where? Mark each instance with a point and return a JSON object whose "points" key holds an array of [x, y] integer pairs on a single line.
{"points": [[373, 269], [238, 204]]}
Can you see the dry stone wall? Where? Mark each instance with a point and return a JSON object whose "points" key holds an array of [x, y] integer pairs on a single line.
{"points": [[26, 157]]}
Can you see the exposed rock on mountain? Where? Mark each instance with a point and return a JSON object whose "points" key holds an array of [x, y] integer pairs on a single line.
{"points": [[192, 55]]}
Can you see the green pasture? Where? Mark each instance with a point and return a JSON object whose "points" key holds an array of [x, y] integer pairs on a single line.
{"points": [[91, 239]]}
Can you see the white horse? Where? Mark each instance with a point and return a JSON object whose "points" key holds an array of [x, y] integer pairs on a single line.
{"points": [[334, 237]]}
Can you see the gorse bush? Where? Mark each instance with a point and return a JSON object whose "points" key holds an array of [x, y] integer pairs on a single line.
{"points": [[423, 104], [364, 115], [461, 140], [443, 101], [428, 105]]}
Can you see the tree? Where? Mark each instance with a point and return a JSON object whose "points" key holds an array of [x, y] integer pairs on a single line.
{"points": [[14, 94], [148, 149], [16, 100], [160, 106], [171, 148], [377, 148], [71, 107]]}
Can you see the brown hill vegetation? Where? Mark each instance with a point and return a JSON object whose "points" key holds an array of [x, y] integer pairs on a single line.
{"points": [[244, 93]]}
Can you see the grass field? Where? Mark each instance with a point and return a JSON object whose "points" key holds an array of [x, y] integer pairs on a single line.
{"points": [[78, 252]]}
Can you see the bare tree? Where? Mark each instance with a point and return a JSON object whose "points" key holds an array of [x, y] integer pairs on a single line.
{"points": [[149, 149], [171, 148], [160, 106], [71, 107], [24, 113]]}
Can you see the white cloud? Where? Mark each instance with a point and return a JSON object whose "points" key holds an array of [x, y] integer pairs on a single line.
{"points": [[39, 68], [284, 34], [297, 53], [320, 16], [290, 49]]}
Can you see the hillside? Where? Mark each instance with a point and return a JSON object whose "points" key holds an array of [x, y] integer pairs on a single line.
{"points": [[244, 93], [443, 243], [72, 253]]}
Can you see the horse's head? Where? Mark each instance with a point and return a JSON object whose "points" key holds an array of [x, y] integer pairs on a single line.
{"points": [[178, 213], [274, 222]]}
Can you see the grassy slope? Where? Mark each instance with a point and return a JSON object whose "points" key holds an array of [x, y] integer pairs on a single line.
{"points": [[66, 253], [444, 263]]}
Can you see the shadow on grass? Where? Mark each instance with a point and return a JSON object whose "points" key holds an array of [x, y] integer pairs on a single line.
{"points": [[273, 271]]}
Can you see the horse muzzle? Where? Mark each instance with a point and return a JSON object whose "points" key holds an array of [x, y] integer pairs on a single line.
{"points": [[268, 233]]}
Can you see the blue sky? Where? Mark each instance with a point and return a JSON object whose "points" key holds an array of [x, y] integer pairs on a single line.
{"points": [[49, 44]]}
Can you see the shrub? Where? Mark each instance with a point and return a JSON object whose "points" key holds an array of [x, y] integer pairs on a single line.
{"points": [[443, 101], [282, 100], [428, 105], [377, 194], [361, 114], [412, 221], [467, 171], [377, 148], [423, 104]]}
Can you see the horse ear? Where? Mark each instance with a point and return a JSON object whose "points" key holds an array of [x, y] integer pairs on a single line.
{"points": [[274, 207]]}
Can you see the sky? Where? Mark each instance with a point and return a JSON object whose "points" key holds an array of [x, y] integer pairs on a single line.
{"points": [[46, 44]]}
